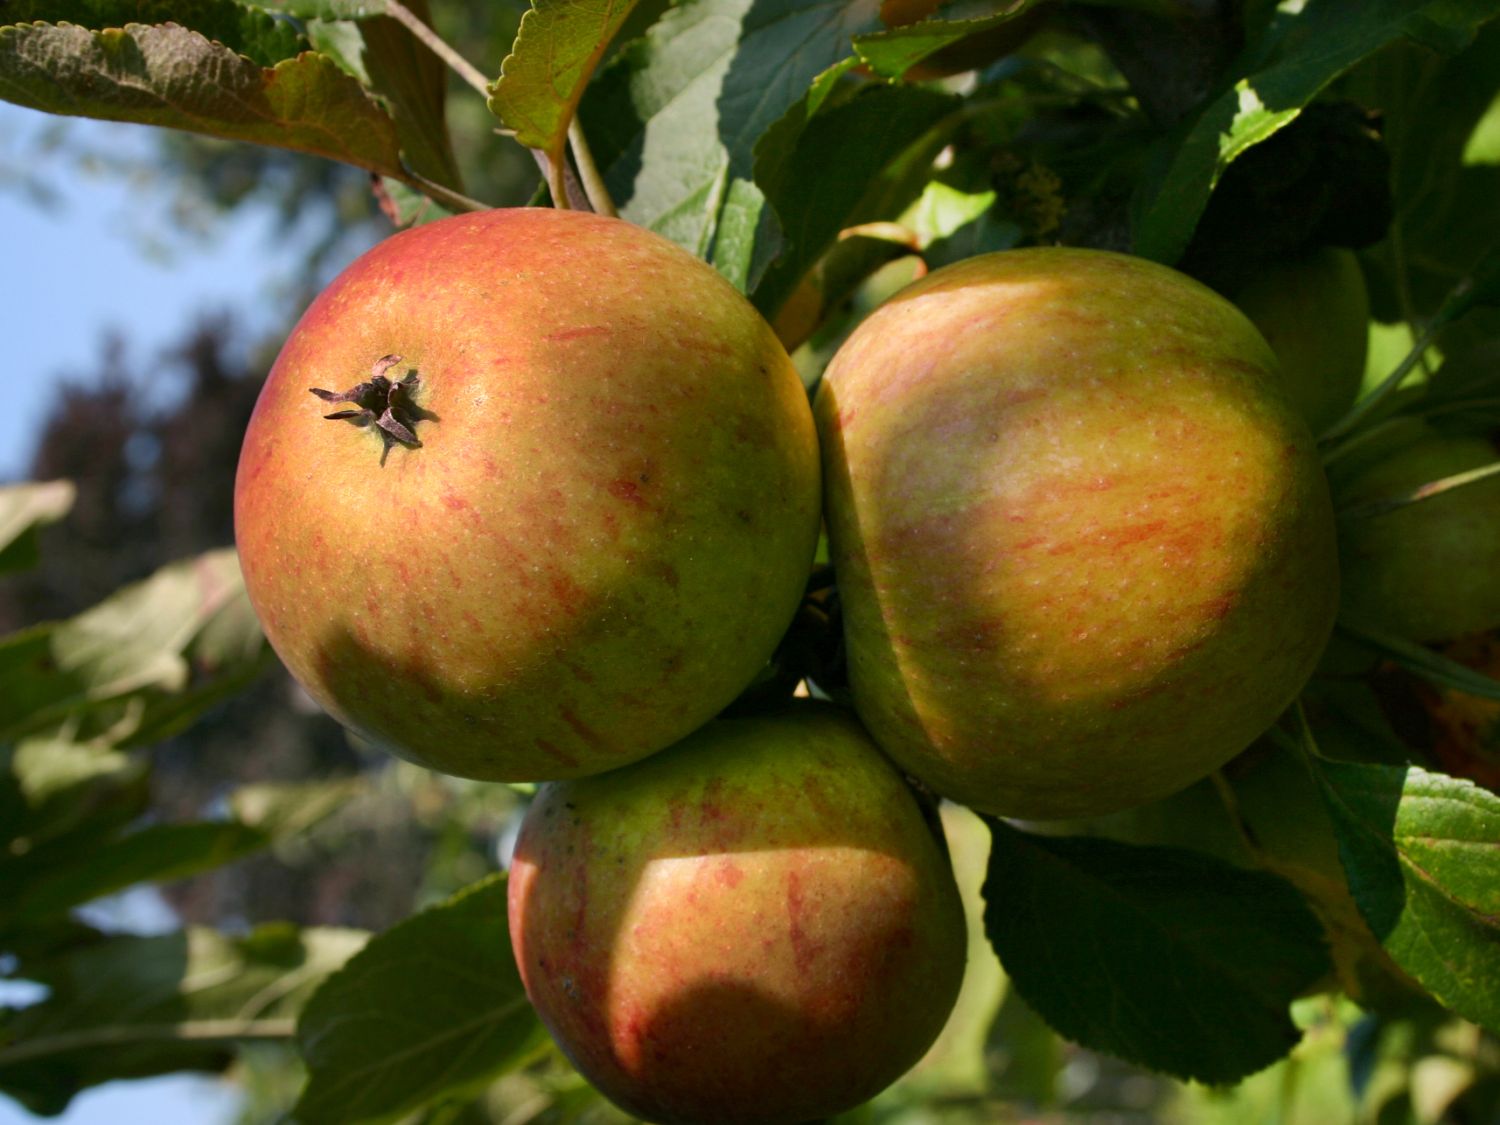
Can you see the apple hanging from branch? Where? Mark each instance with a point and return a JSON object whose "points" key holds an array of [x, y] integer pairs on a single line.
{"points": [[755, 926], [564, 507], [1083, 541]]}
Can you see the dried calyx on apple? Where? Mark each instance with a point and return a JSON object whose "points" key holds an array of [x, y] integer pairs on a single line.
{"points": [[382, 402]]}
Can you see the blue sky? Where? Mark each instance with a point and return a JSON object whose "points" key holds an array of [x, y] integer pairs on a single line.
{"points": [[104, 255]]}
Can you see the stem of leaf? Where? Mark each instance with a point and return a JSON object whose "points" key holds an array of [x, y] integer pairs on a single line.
{"points": [[430, 39], [588, 171], [1366, 406]]}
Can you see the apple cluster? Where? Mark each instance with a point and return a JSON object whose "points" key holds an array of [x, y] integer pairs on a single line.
{"points": [[568, 505]]}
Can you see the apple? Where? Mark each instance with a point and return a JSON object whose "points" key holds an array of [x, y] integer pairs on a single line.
{"points": [[1084, 546], [1314, 311], [1428, 571], [757, 925], [563, 508]]}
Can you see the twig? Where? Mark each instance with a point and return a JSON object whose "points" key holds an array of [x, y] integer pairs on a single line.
{"points": [[588, 171], [453, 200], [195, 1030], [430, 39]]}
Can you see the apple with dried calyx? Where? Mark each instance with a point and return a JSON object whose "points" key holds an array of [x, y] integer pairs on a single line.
{"points": [[757, 925], [1083, 542], [563, 507]]}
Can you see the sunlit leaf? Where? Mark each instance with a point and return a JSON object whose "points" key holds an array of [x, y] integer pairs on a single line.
{"points": [[429, 1008], [675, 118], [1315, 45], [144, 637], [175, 77], [23, 509], [1422, 852], [240, 27], [128, 1007], [554, 56]]}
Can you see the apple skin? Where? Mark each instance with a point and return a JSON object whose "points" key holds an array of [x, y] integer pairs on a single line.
{"points": [[1084, 546], [1429, 571], [1314, 311], [606, 528], [755, 926]]}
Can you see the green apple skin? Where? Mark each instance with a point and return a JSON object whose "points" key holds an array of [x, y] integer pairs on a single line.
{"points": [[1429, 571], [607, 526], [1314, 311], [755, 926], [1084, 546]]}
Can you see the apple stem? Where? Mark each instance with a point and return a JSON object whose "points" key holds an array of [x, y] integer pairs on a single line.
{"points": [[588, 171], [554, 168]]}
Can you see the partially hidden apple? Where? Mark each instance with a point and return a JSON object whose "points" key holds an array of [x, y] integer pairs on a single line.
{"points": [[757, 925], [551, 502], [1314, 311], [1429, 570], [1084, 545]]}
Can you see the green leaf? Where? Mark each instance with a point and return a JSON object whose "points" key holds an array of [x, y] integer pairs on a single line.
{"points": [[83, 858], [411, 82], [1316, 45], [430, 1008], [175, 77], [326, 9], [51, 878], [50, 787], [675, 118], [1445, 216], [1422, 852], [1482, 287], [407, 207], [284, 809], [189, 620], [241, 28], [556, 50], [890, 54], [1168, 958], [23, 509], [128, 1007], [860, 137]]}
